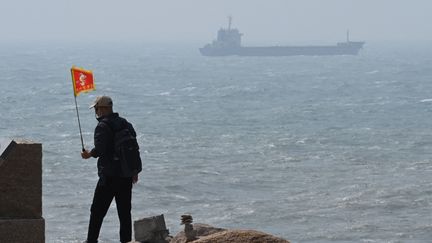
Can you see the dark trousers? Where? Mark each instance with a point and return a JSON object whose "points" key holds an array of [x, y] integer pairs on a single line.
{"points": [[107, 189]]}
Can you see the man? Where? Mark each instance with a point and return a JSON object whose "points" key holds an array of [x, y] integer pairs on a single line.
{"points": [[112, 180]]}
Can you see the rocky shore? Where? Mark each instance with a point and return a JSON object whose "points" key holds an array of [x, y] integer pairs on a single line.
{"points": [[153, 230], [209, 234]]}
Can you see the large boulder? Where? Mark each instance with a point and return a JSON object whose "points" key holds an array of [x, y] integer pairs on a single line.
{"points": [[240, 236], [209, 234]]}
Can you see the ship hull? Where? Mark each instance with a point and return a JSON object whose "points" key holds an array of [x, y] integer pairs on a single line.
{"points": [[349, 48]]}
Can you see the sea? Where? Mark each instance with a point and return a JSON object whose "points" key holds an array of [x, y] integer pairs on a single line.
{"points": [[308, 148]]}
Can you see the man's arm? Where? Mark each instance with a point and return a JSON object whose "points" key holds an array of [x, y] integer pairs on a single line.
{"points": [[134, 179], [101, 141]]}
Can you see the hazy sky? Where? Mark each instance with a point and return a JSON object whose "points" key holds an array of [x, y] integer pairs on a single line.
{"points": [[272, 21]]}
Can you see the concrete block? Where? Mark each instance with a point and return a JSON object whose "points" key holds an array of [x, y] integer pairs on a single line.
{"points": [[6, 145], [22, 230], [21, 182], [151, 230]]}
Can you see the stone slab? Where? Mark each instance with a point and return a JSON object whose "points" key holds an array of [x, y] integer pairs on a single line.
{"points": [[22, 230], [21, 182], [151, 229]]}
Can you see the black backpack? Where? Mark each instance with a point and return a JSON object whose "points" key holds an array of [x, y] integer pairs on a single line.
{"points": [[126, 148]]}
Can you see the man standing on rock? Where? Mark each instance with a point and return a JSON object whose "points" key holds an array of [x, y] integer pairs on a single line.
{"points": [[116, 175]]}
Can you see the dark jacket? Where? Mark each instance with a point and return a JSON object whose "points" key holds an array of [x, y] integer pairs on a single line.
{"points": [[104, 143]]}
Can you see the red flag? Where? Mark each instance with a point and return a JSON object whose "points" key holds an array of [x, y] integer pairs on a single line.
{"points": [[82, 80]]}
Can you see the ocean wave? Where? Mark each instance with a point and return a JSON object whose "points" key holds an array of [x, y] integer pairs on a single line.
{"points": [[426, 100]]}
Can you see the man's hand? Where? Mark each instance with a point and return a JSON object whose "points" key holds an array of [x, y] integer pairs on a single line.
{"points": [[134, 179], [85, 154]]}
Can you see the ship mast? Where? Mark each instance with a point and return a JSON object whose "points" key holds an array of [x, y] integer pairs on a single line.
{"points": [[348, 36], [229, 22]]}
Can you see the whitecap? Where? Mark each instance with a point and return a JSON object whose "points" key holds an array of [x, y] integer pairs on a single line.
{"points": [[206, 172], [271, 145], [181, 197], [165, 93], [372, 72], [426, 100], [188, 88]]}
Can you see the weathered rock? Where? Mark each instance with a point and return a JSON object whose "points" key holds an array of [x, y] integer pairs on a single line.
{"points": [[205, 229], [151, 230], [201, 231], [190, 233], [186, 218], [240, 236], [209, 234]]}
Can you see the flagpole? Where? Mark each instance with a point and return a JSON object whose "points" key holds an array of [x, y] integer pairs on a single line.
{"points": [[76, 107], [79, 124]]}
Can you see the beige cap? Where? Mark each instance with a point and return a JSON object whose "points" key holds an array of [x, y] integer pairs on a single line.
{"points": [[102, 101]]}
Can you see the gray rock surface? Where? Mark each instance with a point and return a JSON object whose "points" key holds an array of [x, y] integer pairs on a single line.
{"points": [[201, 231], [209, 234]]}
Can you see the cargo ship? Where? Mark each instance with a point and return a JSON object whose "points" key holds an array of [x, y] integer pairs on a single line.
{"points": [[228, 43]]}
